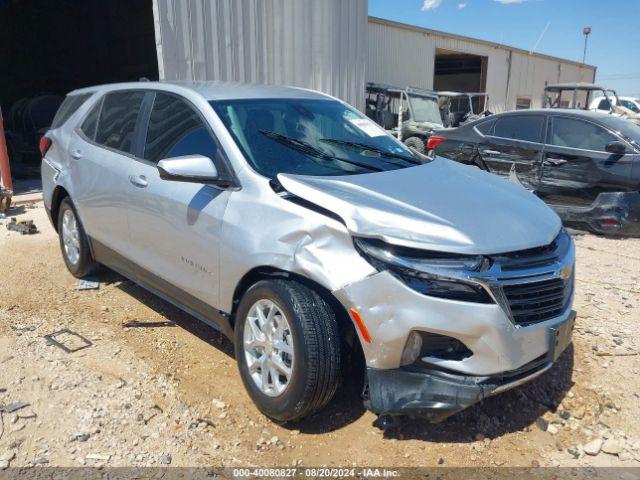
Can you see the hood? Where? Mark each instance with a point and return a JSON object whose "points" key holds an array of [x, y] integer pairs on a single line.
{"points": [[442, 205]]}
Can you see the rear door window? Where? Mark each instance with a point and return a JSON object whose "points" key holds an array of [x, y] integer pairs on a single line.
{"points": [[118, 120], [574, 133], [69, 106], [176, 129], [525, 127]]}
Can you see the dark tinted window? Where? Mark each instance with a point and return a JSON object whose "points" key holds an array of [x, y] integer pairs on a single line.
{"points": [[528, 128], [91, 122], [604, 104], [310, 137], [569, 132], [118, 120], [68, 108], [175, 130], [486, 128]]}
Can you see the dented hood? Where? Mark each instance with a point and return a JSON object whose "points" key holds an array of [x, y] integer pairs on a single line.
{"points": [[442, 206]]}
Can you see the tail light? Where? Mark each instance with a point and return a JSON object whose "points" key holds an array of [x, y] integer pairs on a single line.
{"points": [[45, 145], [434, 141], [610, 224]]}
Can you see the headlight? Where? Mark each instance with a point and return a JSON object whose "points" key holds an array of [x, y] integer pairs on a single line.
{"points": [[430, 273]]}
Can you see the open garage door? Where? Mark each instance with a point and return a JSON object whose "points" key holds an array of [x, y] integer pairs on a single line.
{"points": [[49, 47], [460, 72]]}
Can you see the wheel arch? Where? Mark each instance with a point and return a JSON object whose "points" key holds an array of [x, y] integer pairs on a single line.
{"points": [[59, 194], [257, 274]]}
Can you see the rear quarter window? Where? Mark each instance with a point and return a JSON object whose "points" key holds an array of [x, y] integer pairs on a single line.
{"points": [[68, 107], [118, 119], [486, 128]]}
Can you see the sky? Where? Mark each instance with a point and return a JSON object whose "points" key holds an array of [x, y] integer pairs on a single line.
{"points": [[614, 43]]}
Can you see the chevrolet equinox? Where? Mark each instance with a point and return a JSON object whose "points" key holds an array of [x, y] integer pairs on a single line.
{"points": [[305, 233]]}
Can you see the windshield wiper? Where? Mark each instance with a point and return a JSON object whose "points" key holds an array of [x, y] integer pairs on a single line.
{"points": [[310, 150], [364, 146]]}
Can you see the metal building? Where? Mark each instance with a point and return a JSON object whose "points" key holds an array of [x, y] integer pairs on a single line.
{"points": [[308, 43], [404, 55]]}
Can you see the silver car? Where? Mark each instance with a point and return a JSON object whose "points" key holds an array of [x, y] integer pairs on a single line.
{"points": [[298, 228]]}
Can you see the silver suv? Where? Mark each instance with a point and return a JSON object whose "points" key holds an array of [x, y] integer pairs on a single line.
{"points": [[301, 230]]}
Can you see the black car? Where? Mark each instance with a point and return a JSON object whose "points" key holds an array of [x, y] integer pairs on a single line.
{"points": [[586, 165]]}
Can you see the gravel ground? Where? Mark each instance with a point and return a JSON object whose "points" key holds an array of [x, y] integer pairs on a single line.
{"points": [[165, 390]]}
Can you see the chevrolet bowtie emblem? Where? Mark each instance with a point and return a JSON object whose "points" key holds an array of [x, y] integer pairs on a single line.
{"points": [[566, 272]]}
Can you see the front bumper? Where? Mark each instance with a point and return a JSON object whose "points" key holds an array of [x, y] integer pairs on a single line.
{"points": [[437, 394], [391, 310], [623, 208]]}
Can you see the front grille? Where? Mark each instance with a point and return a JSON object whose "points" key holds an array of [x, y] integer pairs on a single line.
{"points": [[538, 301]]}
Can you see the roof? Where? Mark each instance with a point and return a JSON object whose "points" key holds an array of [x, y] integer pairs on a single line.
{"points": [[574, 86], [406, 26], [215, 90], [571, 112], [462, 94]]}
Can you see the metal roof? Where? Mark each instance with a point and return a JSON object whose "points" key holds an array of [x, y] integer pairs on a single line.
{"points": [[429, 31], [574, 86]]}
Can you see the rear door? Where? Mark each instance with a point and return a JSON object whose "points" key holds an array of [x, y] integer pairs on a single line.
{"points": [[576, 167], [513, 147], [100, 155], [175, 226]]}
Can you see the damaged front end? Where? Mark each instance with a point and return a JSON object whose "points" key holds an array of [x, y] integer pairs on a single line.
{"points": [[436, 394], [447, 331]]}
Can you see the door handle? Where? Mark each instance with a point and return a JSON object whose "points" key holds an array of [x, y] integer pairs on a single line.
{"points": [[554, 162], [139, 181], [77, 154], [491, 152]]}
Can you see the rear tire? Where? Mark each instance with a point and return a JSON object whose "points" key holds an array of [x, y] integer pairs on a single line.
{"points": [[74, 243], [417, 143], [310, 346]]}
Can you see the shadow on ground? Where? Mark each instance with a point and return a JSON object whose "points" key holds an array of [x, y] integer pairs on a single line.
{"points": [[173, 316]]}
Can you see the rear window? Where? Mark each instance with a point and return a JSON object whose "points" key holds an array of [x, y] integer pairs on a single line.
{"points": [[69, 106], [118, 120], [527, 128]]}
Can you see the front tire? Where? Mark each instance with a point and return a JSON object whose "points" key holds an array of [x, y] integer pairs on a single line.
{"points": [[74, 243], [288, 349]]}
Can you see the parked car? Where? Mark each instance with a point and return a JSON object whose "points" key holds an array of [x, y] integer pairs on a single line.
{"points": [[409, 114], [458, 108], [604, 103], [311, 238], [586, 165]]}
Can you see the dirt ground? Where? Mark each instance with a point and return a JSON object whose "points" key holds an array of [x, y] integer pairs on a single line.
{"points": [[165, 390]]}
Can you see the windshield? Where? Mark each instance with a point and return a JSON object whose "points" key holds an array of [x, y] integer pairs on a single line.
{"points": [[310, 137], [425, 109]]}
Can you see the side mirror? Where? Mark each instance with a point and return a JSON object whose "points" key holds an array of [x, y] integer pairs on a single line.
{"points": [[616, 147], [190, 168]]}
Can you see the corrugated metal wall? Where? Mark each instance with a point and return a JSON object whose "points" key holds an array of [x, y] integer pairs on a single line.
{"points": [[404, 55], [308, 43]]}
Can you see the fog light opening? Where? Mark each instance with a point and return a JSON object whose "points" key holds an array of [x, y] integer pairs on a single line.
{"points": [[412, 349]]}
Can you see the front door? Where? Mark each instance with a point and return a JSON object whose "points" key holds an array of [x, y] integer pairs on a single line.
{"points": [[513, 148], [175, 226], [576, 168], [100, 154]]}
